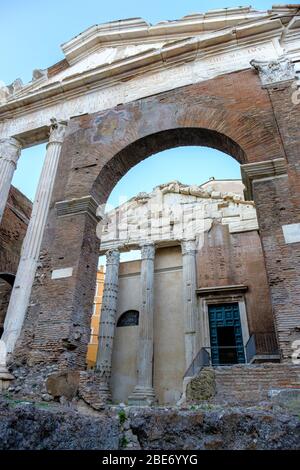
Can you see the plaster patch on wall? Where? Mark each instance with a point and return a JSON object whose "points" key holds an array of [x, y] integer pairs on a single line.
{"points": [[62, 273], [291, 233]]}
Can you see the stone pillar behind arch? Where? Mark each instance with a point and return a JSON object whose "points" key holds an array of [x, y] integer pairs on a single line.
{"points": [[189, 277], [108, 322], [143, 393]]}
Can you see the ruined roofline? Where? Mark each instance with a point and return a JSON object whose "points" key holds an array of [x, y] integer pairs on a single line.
{"points": [[220, 180], [187, 190]]}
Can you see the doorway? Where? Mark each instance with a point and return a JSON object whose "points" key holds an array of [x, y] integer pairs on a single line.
{"points": [[226, 337]]}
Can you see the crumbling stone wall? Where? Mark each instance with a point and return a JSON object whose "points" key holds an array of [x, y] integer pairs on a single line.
{"points": [[43, 426]]}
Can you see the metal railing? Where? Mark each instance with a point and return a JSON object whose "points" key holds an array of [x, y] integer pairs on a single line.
{"points": [[261, 344], [202, 359]]}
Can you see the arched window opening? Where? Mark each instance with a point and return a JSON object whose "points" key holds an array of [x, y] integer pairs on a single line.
{"points": [[129, 318]]}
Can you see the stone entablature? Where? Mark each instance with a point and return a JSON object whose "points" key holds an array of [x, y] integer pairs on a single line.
{"points": [[91, 78], [173, 212]]}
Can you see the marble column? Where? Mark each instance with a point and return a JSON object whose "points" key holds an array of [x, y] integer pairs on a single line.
{"points": [[108, 322], [189, 277], [10, 150], [32, 242], [143, 393]]}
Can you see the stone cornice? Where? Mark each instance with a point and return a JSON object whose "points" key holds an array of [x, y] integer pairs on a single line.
{"points": [[178, 60], [233, 289], [139, 31], [256, 171], [170, 53]]}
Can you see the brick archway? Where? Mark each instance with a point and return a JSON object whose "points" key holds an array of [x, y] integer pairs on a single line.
{"points": [[98, 150]]}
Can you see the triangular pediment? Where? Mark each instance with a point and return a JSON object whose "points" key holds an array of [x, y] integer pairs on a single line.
{"points": [[119, 48]]}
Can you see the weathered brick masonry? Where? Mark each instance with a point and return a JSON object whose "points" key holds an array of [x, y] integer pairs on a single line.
{"points": [[254, 383], [232, 113], [12, 231], [277, 202]]}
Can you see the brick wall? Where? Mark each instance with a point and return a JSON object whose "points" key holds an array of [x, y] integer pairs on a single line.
{"points": [[252, 383], [278, 203], [12, 231]]}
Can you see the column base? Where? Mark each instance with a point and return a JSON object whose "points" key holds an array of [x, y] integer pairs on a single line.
{"points": [[5, 379], [142, 396]]}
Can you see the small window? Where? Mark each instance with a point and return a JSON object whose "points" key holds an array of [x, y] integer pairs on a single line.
{"points": [[129, 318]]}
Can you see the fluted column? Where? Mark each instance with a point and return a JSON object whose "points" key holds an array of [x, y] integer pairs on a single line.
{"points": [[10, 150], [189, 277], [143, 393], [32, 242], [108, 321]]}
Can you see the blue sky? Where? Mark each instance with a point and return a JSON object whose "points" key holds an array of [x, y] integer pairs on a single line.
{"points": [[31, 33]]}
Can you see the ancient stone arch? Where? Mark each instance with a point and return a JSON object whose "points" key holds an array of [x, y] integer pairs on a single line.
{"points": [[189, 91]]}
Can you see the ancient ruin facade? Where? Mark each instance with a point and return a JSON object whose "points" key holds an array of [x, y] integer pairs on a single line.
{"points": [[208, 262], [225, 79]]}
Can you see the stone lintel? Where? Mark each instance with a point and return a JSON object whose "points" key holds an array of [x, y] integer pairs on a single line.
{"points": [[85, 204], [32, 137], [136, 245], [234, 289], [261, 170]]}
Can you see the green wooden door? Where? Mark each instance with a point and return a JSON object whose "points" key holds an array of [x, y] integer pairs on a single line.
{"points": [[226, 337]]}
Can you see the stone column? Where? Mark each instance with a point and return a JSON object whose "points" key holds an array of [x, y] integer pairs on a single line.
{"points": [[10, 150], [31, 245], [108, 321], [189, 277], [143, 393]]}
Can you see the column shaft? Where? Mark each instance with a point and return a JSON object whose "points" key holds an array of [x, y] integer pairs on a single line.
{"points": [[32, 242], [10, 150], [189, 277], [144, 392], [108, 320]]}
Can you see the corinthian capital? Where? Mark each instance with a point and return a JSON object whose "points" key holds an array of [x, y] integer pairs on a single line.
{"points": [[274, 71], [10, 150], [188, 247], [148, 250], [112, 256], [57, 131]]}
